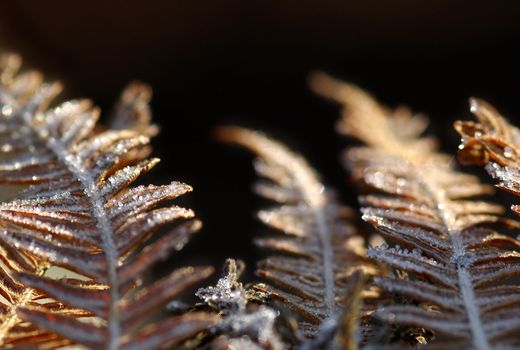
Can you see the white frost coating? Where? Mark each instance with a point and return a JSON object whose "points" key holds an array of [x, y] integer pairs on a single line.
{"points": [[259, 324], [74, 165], [229, 298], [425, 290], [403, 259], [105, 228], [508, 176], [226, 296]]}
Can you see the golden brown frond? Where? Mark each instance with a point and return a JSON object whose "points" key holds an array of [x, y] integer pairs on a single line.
{"points": [[455, 262], [80, 213], [321, 252]]}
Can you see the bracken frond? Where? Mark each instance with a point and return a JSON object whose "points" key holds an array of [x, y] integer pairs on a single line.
{"points": [[322, 249], [80, 213], [455, 262]]}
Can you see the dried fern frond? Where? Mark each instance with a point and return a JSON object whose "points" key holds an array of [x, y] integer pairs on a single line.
{"points": [[322, 249], [455, 262], [81, 214], [493, 142]]}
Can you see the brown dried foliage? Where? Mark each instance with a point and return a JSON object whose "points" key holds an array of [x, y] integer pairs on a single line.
{"points": [[456, 265], [322, 249], [80, 213]]}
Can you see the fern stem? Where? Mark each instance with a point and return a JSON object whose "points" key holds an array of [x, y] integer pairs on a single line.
{"points": [[73, 164], [480, 340], [312, 191], [461, 261], [328, 260]]}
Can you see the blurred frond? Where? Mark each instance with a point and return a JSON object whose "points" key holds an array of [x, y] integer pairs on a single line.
{"points": [[320, 251]]}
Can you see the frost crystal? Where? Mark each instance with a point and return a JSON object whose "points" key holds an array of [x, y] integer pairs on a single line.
{"points": [[230, 298], [258, 324], [228, 295]]}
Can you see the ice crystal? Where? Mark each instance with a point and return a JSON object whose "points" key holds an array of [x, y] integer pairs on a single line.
{"points": [[231, 299], [228, 295]]}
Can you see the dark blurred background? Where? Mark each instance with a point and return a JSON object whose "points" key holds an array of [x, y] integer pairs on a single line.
{"points": [[219, 62]]}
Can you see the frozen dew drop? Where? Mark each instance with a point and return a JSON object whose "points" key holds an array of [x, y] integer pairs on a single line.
{"points": [[508, 152], [7, 147], [7, 111]]}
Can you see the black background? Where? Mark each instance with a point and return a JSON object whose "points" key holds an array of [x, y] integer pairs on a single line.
{"points": [[219, 62]]}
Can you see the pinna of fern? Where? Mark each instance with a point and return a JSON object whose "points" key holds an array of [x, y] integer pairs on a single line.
{"points": [[322, 250], [80, 213], [493, 142], [455, 261]]}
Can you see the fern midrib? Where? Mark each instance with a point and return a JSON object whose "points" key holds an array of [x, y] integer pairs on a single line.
{"points": [[467, 291], [73, 164], [312, 191], [12, 316]]}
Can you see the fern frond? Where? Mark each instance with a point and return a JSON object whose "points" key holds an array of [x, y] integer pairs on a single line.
{"points": [[81, 214], [456, 263], [322, 249], [494, 142]]}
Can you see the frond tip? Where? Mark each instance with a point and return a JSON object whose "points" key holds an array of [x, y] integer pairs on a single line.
{"points": [[321, 251]]}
